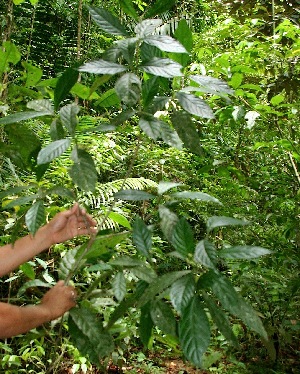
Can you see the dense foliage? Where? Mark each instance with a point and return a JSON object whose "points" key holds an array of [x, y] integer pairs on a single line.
{"points": [[176, 125]]}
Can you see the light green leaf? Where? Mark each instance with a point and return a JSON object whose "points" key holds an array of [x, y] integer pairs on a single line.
{"points": [[166, 186], [183, 238], [182, 291], [206, 254], [53, 150], [163, 317], [120, 219], [194, 332], [276, 100], [194, 105], [28, 270], [33, 74], [133, 195], [142, 236], [244, 252], [35, 216], [151, 126], [108, 99], [102, 67], [119, 286], [20, 201], [21, 116], [41, 106], [128, 88], [107, 21], [162, 67], [165, 43], [184, 34], [220, 221], [195, 196], [147, 27], [15, 190], [212, 85], [68, 117], [83, 172]]}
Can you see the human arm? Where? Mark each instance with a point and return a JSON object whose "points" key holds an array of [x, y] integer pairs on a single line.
{"points": [[65, 225], [16, 320]]}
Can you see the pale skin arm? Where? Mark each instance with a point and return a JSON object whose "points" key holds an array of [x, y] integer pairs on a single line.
{"points": [[66, 225]]}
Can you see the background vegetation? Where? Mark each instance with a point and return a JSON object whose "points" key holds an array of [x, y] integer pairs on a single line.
{"points": [[172, 271]]}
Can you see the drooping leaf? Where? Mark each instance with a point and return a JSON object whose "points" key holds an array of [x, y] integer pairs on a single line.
{"points": [[194, 105], [163, 317], [120, 219], [147, 27], [165, 43], [245, 252], [119, 286], [212, 85], [20, 201], [194, 195], [159, 7], [168, 220], [145, 325], [22, 116], [102, 67], [128, 88], [32, 283], [186, 129], [133, 195], [182, 291], [184, 34], [162, 67], [83, 172], [64, 84], [41, 106], [53, 150], [206, 254], [128, 8], [35, 216], [107, 21], [68, 117], [142, 236], [194, 331], [170, 136], [183, 238], [220, 221]]}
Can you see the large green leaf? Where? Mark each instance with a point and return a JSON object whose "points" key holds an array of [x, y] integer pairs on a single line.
{"points": [[168, 221], [194, 105], [68, 263], [128, 88], [184, 34], [102, 67], [170, 136], [212, 85], [41, 106], [15, 190], [127, 262], [53, 150], [144, 273], [88, 334], [108, 99], [128, 8], [244, 252], [220, 221], [35, 216], [195, 195], [194, 331], [159, 7], [186, 129], [162, 67], [9, 53], [147, 27], [83, 172], [183, 237], [119, 286], [68, 117], [142, 236], [20, 201], [133, 195], [64, 84], [22, 116], [182, 291], [163, 317], [149, 90], [124, 48], [164, 186], [146, 325], [32, 283], [33, 74], [107, 21], [165, 43], [206, 254]]}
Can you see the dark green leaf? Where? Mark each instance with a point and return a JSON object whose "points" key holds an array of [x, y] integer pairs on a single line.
{"points": [[146, 325], [147, 27], [194, 332], [126, 262], [83, 172], [128, 88], [64, 84], [170, 136], [159, 7], [183, 238], [148, 52], [163, 317], [151, 126], [195, 196], [149, 90], [35, 217], [187, 132], [182, 292], [61, 191], [128, 8], [57, 131], [162, 67], [15, 190], [184, 34], [53, 150], [194, 105], [166, 186], [122, 117], [165, 43], [212, 85], [133, 195], [21, 116], [107, 21], [68, 117], [32, 283], [220, 221], [245, 252], [206, 254], [102, 67], [142, 236], [144, 273], [108, 99], [20, 201], [168, 221], [124, 48], [41, 106], [119, 286], [67, 264]]}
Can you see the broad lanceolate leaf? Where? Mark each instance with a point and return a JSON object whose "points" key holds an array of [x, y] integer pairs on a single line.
{"points": [[163, 317], [187, 132], [206, 254], [64, 84], [183, 238], [128, 88], [133, 195], [107, 21], [245, 252], [212, 85], [68, 117], [22, 116], [68, 262], [144, 273], [128, 8], [165, 43], [88, 334], [194, 105], [83, 172], [159, 7], [108, 99], [162, 67], [220, 221], [20, 201], [168, 221], [32, 283], [182, 291], [119, 286], [35, 216], [166, 186], [121, 48], [194, 331], [147, 27], [142, 236], [53, 150], [102, 67], [41, 106], [220, 319], [233, 302], [194, 195], [146, 325]]}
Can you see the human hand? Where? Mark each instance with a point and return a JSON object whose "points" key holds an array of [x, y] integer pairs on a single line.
{"points": [[58, 300], [70, 223]]}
